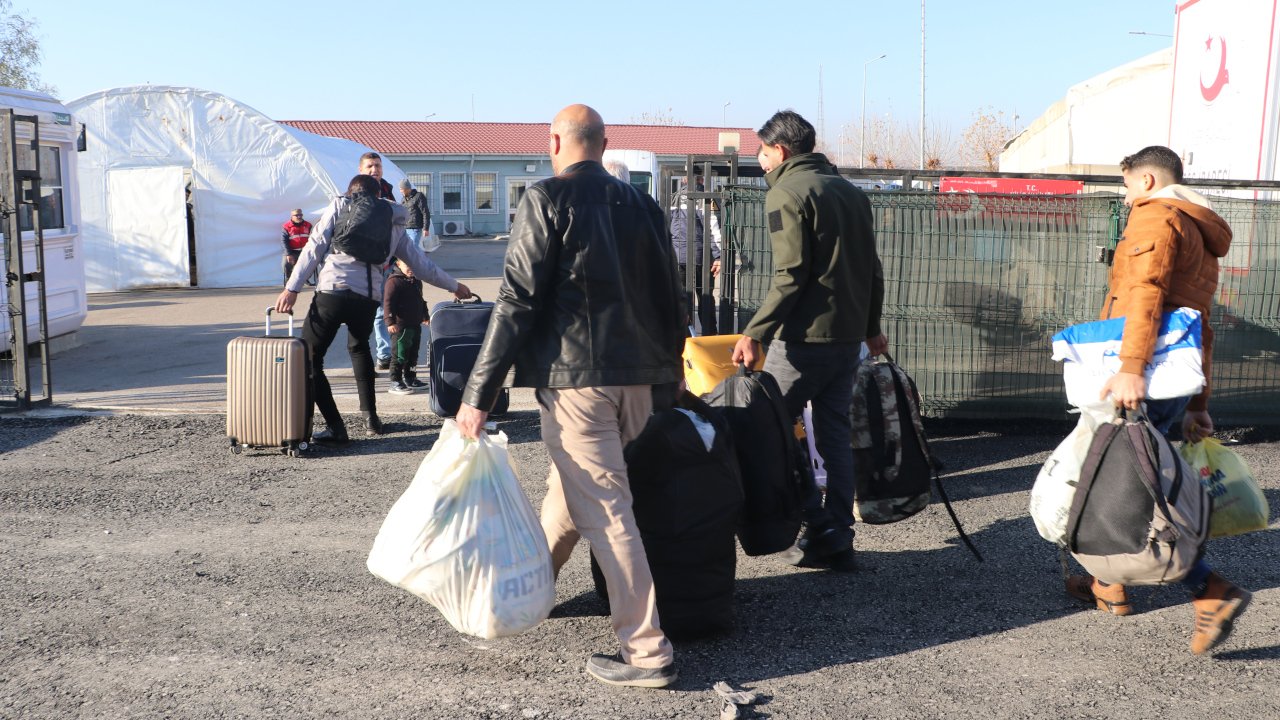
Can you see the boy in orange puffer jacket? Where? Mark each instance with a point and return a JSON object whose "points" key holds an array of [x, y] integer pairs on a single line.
{"points": [[1168, 258]]}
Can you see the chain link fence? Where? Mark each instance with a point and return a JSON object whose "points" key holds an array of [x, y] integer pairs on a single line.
{"points": [[976, 286]]}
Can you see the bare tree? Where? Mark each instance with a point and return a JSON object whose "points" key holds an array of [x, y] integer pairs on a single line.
{"points": [[19, 51], [893, 144], [658, 117], [985, 139]]}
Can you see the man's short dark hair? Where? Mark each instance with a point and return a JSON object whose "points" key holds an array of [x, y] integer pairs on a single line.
{"points": [[370, 156], [364, 184], [788, 129], [1155, 156]]}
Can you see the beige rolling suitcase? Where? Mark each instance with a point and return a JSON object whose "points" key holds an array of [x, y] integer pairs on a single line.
{"points": [[269, 392]]}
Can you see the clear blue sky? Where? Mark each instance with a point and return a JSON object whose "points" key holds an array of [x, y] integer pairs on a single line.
{"points": [[523, 61]]}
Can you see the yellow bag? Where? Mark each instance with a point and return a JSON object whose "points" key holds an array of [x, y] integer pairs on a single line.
{"points": [[1239, 506], [706, 361]]}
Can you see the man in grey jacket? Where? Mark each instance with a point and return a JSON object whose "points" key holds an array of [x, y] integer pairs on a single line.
{"points": [[348, 292], [589, 313]]}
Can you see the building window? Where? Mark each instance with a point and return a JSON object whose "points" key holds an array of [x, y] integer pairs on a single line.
{"points": [[451, 188], [486, 191], [51, 211], [422, 183]]}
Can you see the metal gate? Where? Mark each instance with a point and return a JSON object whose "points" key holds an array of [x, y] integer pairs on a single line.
{"points": [[25, 379], [700, 198]]}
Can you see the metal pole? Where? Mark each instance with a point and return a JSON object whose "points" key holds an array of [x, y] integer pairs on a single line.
{"points": [[862, 139], [921, 86], [724, 114]]}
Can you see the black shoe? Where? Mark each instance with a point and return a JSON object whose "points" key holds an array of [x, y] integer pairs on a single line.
{"points": [[399, 388], [822, 548], [331, 438], [413, 382], [384, 363], [372, 424], [839, 561], [612, 670]]}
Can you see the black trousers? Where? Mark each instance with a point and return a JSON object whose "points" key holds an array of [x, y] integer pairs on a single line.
{"points": [[289, 261], [703, 304], [329, 312]]}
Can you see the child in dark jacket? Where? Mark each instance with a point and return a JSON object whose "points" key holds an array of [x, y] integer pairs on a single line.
{"points": [[405, 311]]}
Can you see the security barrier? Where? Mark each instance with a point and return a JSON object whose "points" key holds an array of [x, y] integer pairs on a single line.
{"points": [[976, 285]]}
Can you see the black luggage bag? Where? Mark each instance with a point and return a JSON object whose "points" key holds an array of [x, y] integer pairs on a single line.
{"points": [[457, 330], [687, 501]]}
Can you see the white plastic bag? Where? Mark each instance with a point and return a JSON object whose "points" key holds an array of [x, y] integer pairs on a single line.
{"points": [[1055, 486], [464, 538], [430, 241], [1091, 355]]}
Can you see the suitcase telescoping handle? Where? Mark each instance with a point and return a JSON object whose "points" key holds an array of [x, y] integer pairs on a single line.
{"points": [[271, 310]]}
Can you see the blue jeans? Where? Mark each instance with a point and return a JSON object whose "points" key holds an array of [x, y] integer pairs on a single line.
{"points": [[381, 338], [1164, 413], [822, 373]]}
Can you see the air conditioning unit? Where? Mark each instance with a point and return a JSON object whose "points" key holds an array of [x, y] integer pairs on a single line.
{"points": [[453, 227]]}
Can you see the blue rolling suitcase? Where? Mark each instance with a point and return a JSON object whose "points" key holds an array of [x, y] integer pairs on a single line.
{"points": [[457, 330]]}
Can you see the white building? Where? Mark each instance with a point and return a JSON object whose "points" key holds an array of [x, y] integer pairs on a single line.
{"points": [[66, 305], [148, 145], [1100, 121]]}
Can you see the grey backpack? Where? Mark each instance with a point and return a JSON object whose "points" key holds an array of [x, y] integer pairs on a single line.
{"points": [[893, 467], [1139, 515]]}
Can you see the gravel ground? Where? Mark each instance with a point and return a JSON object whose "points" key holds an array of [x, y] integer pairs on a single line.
{"points": [[150, 573]]}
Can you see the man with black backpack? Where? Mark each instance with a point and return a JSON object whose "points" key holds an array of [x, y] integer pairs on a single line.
{"points": [[355, 237], [825, 300]]}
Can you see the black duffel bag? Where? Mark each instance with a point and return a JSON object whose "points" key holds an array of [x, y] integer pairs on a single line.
{"points": [[687, 501]]}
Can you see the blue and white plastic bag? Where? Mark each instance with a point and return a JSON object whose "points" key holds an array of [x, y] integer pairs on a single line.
{"points": [[464, 537], [1091, 355]]}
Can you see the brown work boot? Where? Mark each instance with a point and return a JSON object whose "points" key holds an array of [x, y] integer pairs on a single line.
{"points": [[1110, 598], [1216, 610]]}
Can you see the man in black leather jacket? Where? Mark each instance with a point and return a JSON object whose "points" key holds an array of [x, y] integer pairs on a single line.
{"points": [[590, 315]]}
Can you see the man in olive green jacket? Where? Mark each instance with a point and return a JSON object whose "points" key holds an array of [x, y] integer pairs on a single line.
{"points": [[825, 300]]}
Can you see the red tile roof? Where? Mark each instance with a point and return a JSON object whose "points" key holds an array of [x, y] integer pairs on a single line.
{"points": [[452, 138]]}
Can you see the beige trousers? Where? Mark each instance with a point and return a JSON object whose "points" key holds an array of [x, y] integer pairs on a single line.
{"points": [[588, 496]]}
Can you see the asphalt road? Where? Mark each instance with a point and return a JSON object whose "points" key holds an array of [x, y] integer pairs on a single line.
{"points": [[150, 573]]}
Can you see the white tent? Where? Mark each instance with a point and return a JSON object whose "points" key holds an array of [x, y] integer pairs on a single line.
{"points": [[148, 144], [1100, 121]]}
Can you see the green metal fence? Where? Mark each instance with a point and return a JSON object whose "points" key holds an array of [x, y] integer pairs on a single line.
{"points": [[976, 285]]}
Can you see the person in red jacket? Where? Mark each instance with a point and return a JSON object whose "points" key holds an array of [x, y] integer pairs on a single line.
{"points": [[294, 233]]}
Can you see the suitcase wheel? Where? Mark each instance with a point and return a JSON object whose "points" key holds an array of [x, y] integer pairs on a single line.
{"points": [[235, 446]]}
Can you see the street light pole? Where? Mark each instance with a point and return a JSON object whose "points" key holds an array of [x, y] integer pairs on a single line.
{"points": [[862, 139], [724, 110]]}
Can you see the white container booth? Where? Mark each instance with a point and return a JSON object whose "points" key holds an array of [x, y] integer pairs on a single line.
{"points": [[65, 302]]}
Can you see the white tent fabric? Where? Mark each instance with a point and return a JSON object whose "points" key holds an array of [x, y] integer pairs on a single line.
{"points": [[246, 172], [1100, 121]]}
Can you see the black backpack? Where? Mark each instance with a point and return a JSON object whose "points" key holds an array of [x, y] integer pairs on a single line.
{"points": [[363, 229], [774, 471], [892, 463]]}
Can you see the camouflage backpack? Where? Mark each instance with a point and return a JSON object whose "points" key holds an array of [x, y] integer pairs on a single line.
{"points": [[893, 467]]}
